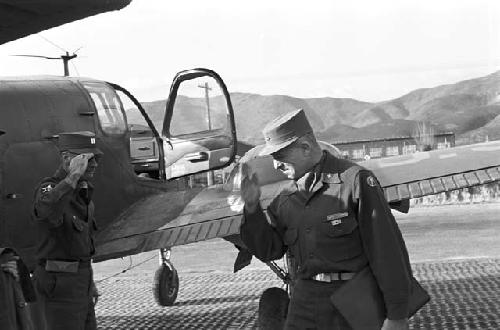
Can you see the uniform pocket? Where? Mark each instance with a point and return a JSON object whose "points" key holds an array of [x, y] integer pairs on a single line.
{"points": [[45, 282], [339, 225], [78, 238], [78, 224], [290, 236]]}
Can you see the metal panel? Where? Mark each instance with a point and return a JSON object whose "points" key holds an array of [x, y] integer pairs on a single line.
{"points": [[437, 185], [426, 188]]}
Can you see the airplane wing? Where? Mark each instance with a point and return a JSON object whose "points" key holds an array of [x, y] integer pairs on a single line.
{"points": [[19, 18], [428, 173], [216, 211]]}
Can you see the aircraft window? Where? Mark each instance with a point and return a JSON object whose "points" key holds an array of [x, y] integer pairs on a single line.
{"points": [[144, 150], [109, 107], [202, 107]]}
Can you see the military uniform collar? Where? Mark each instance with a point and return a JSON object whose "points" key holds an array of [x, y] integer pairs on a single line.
{"points": [[330, 169]]}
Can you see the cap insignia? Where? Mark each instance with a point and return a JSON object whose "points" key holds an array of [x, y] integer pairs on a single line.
{"points": [[372, 182]]}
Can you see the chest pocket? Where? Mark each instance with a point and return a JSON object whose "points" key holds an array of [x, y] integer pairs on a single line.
{"points": [[290, 237], [339, 224], [78, 225], [338, 238], [79, 244]]}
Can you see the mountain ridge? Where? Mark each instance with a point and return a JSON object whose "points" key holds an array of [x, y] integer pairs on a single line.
{"points": [[469, 108]]}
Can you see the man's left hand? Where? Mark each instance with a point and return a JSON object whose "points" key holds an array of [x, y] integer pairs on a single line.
{"points": [[395, 324], [11, 267]]}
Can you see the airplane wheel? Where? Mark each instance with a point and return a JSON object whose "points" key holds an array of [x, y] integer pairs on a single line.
{"points": [[273, 307], [166, 285]]}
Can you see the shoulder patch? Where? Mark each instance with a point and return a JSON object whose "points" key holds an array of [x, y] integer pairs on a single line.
{"points": [[46, 187], [371, 181]]}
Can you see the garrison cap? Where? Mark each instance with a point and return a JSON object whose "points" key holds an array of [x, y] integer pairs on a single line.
{"points": [[78, 142], [284, 130]]}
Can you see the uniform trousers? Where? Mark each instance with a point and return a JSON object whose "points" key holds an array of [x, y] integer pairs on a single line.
{"points": [[64, 299], [310, 307]]}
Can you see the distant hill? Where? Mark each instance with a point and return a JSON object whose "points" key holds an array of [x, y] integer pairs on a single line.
{"points": [[470, 109]]}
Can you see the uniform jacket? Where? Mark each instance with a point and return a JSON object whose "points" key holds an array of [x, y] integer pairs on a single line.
{"points": [[343, 223], [65, 220]]}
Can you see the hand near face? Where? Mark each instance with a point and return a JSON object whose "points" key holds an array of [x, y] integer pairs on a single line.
{"points": [[78, 164], [250, 188]]}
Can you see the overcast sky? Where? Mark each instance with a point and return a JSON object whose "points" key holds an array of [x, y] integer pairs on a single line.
{"points": [[367, 50]]}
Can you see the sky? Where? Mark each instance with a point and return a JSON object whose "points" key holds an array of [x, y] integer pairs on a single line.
{"points": [[367, 50]]}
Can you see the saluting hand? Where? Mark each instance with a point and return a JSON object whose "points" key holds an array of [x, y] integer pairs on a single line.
{"points": [[78, 164], [250, 189]]}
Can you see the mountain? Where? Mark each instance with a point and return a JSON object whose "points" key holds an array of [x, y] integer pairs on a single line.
{"points": [[469, 108]]}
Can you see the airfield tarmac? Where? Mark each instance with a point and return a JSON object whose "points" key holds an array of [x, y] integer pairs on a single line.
{"points": [[454, 250]]}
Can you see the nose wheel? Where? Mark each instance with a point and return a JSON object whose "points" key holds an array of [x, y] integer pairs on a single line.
{"points": [[166, 281]]}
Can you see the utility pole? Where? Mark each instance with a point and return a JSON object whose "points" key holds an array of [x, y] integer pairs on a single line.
{"points": [[207, 102], [210, 174]]}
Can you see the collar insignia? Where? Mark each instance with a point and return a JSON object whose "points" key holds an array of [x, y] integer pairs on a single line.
{"points": [[331, 177]]}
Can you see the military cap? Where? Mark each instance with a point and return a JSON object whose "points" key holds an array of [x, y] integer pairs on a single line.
{"points": [[284, 130], [78, 142]]}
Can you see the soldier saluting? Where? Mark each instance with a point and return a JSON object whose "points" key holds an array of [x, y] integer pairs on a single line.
{"points": [[64, 213], [333, 219]]}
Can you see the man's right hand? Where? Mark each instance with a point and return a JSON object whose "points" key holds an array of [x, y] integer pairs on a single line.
{"points": [[250, 189], [78, 164]]}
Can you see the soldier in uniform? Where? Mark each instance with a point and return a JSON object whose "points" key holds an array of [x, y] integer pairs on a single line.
{"points": [[15, 290], [64, 214], [334, 221]]}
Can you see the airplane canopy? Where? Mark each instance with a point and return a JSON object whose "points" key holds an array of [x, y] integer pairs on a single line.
{"points": [[20, 18]]}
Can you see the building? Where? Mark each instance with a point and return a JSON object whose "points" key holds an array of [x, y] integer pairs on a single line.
{"points": [[386, 147]]}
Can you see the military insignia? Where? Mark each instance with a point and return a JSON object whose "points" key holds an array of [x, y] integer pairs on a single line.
{"points": [[336, 216], [47, 187], [372, 182], [336, 222]]}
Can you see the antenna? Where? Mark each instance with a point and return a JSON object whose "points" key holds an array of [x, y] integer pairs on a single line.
{"points": [[66, 58]]}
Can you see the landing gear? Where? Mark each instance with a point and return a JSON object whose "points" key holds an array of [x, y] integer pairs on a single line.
{"points": [[166, 281], [273, 307]]}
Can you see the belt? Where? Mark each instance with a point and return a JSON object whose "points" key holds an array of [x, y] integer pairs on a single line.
{"points": [[330, 277], [65, 266]]}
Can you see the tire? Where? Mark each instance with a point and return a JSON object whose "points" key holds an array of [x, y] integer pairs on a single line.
{"points": [[166, 285], [273, 307]]}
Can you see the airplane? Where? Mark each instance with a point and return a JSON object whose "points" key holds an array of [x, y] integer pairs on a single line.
{"points": [[145, 199]]}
